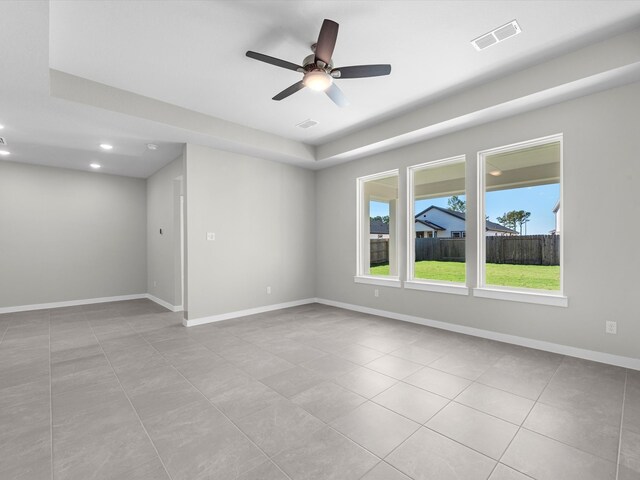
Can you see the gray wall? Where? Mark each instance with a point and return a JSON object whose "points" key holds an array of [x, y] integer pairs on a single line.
{"points": [[163, 250], [69, 235], [601, 172], [263, 216]]}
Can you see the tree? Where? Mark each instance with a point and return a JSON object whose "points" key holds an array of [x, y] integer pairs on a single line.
{"points": [[522, 218], [456, 204], [514, 219], [508, 219], [378, 218]]}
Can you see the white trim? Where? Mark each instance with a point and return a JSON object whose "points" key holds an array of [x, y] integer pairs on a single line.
{"points": [[481, 219], [243, 313], [540, 298], [363, 224], [72, 303], [456, 289], [411, 214], [167, 305], [611, 359], [381, 281]]}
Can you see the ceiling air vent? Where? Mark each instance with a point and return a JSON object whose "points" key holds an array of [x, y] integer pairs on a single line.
{"points": [[2, 141], [496, 36], [307, 124]]}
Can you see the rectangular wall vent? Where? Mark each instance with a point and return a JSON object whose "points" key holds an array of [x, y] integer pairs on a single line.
{"points": [[2, 141], [496, 36], [307, 124]]}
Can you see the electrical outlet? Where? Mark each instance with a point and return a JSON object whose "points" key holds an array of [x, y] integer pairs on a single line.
{"points": [[611, 327], [211, 236], [376, 293], [268, 290]]}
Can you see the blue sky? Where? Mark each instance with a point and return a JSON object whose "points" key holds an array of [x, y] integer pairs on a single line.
{"points": [[537, 200]]}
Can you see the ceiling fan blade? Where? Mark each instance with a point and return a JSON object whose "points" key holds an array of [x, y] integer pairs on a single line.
{"points": [[335, 94], [361, 71], [274, 61], [289, 91], [326, 41]]}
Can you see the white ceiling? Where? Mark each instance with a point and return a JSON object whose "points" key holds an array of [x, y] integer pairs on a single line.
{"points": [[191, 54]]}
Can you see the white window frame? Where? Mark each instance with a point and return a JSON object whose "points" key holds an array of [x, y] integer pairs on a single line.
{"points": [[528, 295], [362, 232], [413, 283]]}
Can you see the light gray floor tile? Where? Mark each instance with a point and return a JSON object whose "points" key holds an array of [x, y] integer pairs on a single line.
{"points": [[293, 352], [384, 471], [632, 402], [546, 459], [358, 354], [427, 455], [484, 433], [244, 399], [502, 472], [328, 401], [395, 367], [435, 381], [411, 402], [526, 374], [381, 343], [279, 427], [417, 354], [329, 366], [326, 455], [467, 363], [573, 428], [266, 471], [365, 382], [293, 381], [376, 428], [630, 450], [627, 474], [498, 403]]}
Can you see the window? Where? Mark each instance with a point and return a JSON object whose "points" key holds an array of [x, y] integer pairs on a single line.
{"points": [[520, 197], [437, 226], [377, 236]]}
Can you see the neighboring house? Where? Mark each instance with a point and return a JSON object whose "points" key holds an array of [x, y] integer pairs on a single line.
{"points": [[557, 212], [444, 223], [378, 229]]}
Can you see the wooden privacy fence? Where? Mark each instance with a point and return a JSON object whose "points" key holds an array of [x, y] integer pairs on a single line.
{"points": [[518, 250], [379, 250], [524, 250]]}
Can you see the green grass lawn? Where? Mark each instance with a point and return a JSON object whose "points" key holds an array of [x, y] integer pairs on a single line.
{"points": [[523, 276]]}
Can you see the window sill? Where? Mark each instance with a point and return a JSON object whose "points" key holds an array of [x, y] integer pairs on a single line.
{"points": [[437, 287], [381, 281], [555, 300]]}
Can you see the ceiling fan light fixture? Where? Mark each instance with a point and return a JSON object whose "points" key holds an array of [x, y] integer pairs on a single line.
{"points": [[317, 80]]}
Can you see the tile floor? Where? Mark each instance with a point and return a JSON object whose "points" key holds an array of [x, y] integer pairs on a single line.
{"points": [[123, 391]]}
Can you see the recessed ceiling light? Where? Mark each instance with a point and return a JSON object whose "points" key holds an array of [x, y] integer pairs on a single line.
{"points": [[495, 173], [152, 146], [95, 165], [4, 152], [106, 146], [496, 36]]}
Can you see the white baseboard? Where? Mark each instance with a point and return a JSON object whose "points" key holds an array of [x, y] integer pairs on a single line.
{"points": [[167, 305], [618, 360], [243, 313], [71, 303]]}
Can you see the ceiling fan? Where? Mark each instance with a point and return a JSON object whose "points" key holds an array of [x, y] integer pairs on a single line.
{"points": [[318, 70]]}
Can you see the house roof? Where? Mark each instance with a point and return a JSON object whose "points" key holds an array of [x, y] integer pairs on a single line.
{"points": [[430, 224], [378, 227], [496, 227]]}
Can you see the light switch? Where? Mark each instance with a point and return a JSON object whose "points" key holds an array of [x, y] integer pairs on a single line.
{"points": [[211, 236]]}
